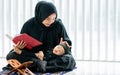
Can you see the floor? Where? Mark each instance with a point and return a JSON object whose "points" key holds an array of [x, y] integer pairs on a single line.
{"points": [[87, 68]]}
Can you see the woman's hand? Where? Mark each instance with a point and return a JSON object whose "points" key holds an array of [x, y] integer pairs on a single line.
{"points": [[17, 50], [64, 42], [21, 44]]}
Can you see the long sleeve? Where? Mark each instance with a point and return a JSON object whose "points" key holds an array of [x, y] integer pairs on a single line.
{"points": [[65, 36]]}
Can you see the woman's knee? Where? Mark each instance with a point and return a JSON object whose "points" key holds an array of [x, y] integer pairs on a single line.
{"points": [[71, 62], [11, 55]]}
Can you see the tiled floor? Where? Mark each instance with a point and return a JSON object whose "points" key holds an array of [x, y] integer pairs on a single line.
{"points": [[88, 68]]}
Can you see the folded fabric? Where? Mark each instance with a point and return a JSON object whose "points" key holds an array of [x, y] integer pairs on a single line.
{"points": [[30, 41]]}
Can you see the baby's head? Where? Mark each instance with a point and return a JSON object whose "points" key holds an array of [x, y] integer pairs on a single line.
{"points": [[60, 49]]}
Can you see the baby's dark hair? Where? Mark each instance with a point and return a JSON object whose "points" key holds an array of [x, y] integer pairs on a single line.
{"points": [[66, 48]]}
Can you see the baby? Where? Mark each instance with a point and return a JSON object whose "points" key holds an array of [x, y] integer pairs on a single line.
{"points": [[60, 49]]}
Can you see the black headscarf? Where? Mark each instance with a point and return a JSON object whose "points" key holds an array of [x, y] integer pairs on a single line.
{"points": [[44, 9]]}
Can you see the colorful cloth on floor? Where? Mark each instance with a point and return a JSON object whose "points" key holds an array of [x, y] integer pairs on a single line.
{"points": [[5, 72]]}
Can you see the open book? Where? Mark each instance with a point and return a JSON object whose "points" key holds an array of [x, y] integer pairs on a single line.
{"points": [[30, 41]]}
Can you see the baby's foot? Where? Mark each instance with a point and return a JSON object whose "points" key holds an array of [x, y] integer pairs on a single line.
{"points": [[40, 55]]}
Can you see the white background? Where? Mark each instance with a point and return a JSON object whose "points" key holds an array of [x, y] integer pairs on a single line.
{"points": [[93, 26]]}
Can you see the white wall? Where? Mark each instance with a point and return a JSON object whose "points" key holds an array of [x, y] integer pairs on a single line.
{"points": [[93, 25]]}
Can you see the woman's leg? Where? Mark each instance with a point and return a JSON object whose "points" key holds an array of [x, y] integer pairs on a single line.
{"points": [[19, 57], [65, 63]]}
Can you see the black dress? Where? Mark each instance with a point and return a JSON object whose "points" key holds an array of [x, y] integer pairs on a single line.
{"points": [[50, 37]]}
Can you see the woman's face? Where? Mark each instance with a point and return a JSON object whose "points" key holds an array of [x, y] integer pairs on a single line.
{"points": [[49, 20], [58, 50]]}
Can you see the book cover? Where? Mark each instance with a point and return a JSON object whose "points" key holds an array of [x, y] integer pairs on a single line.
{"points": [[30, 41]]}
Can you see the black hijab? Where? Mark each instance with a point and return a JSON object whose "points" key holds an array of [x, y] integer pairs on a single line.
{"points": [[44, 9]]}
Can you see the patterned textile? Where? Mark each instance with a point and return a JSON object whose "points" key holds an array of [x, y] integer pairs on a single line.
{"points": [[5, 72]]}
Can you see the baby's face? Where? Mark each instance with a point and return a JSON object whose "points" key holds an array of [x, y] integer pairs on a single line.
{"points": [[58, 50]]}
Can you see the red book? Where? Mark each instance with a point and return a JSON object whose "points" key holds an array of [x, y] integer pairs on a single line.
{"points": [[30, 41]]}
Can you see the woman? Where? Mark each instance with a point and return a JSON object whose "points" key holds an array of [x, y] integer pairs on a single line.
{"points": [[46, 28]]}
